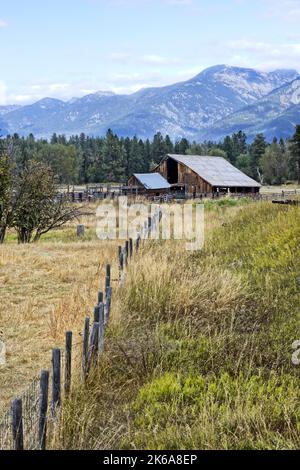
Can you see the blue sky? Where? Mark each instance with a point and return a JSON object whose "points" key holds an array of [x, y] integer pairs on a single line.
{"points": [[66, 48]]}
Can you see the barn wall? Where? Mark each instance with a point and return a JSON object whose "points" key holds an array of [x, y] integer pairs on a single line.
{"points": [[134, 182], [162, 169], [193, 182]]}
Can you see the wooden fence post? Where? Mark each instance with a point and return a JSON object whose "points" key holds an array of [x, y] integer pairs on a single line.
{"points": [[126, 251], [68, 362], [130, 247], [44, 390], [100, 297], [85, 347], [80, 230], [93, 345], [96, 313], [107, 305], [121, 259], [17, 424], [107, 277], [101, 329], [56, 380]]}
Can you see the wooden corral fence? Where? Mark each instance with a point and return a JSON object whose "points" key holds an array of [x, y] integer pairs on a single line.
{"points": [[26, 424], [111, 192], [280, 196]]}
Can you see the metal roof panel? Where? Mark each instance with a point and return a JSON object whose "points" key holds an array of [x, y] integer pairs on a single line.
{"points": [[216, 170], [152, 180]]}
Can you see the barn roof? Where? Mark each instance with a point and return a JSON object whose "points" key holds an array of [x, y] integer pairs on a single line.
{"points": [[152, 180], [216, 171]]}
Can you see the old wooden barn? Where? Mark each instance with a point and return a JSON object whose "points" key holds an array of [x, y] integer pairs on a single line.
{"points": [[205, 174]]}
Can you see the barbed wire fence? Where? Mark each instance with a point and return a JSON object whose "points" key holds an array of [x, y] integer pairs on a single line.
{"points": [[26, 424]]}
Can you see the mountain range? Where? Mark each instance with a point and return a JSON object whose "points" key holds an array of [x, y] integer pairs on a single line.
{"points": [[218, 101]]}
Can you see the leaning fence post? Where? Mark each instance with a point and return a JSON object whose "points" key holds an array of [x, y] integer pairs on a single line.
{"points": [[56, 380], [17, 424], [68, 362], [44, 390], [85, 347]]}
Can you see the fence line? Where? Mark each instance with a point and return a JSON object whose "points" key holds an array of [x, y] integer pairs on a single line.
{"points": [[103, 192], [26, 424]]}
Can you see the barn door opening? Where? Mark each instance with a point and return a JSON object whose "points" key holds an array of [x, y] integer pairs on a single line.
{"points": [[172, 171]]}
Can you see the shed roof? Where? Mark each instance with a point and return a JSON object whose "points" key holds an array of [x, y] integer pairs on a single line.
{"points": [[216, 171], [152, 180]]}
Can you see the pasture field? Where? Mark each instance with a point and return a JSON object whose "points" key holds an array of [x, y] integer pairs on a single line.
{"points": [[280, 188], [198, 353], [46, 289]]}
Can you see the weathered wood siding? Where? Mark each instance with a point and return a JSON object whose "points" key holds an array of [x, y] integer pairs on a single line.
{"points": [[187, 177]]}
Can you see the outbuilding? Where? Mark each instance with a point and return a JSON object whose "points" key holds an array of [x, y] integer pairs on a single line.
{"points": [[151, 184]]}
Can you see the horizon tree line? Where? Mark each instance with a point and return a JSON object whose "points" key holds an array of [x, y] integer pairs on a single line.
{"points": [[82, 159]]}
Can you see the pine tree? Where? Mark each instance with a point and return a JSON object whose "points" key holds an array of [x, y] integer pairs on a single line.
{"points": [[295, 153], [257, 149], [228, 148], [239, 143], [158, 148], [169, 145], [181, 147], [113, 158]]}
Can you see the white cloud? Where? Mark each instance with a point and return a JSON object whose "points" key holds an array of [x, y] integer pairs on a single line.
{"points": [[262, 55], [154, 59], [3, 24]]}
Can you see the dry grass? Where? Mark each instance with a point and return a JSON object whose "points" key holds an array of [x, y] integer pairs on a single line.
{"points": [[279, 188], [46, 289]]}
